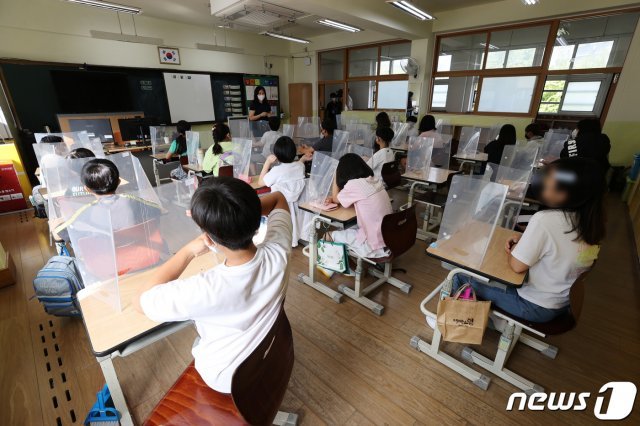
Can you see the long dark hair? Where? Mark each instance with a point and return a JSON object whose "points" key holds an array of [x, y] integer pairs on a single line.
{"points": [[255, 94], [351, 166], [507, 135], [583, 182], [182, 127], [383, 120], [428, 122], [220, 132]]}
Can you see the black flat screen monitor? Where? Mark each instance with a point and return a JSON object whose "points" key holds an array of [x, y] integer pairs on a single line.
{"points": [[136, 129], [96, 128]]}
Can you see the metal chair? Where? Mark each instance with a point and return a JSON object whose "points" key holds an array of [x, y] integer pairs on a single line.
{"points": [[399, 234]]}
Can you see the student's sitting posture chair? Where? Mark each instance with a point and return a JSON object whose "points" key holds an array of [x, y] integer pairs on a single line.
{"points": [[391, 175], [399, 234], [162, 169], [512, 334], [435, 202], [257, 389]]}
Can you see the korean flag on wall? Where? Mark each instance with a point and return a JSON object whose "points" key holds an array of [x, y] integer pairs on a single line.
{"points": [[169, 55]]}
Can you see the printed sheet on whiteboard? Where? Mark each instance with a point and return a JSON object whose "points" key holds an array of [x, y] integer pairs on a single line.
{"points": [[190, 96]]}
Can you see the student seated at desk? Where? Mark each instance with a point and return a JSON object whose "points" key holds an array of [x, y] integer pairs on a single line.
{"points": [[533, 132], [495, 148], [270, 137], [220, 153], [382, 120], [427, 128], [287, 177], [327, 127], [384, 154], [101, 178], [235, 304], [557, 247], [178, 147], [355, 185]]}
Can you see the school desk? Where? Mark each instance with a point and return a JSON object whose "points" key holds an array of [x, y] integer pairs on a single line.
{"points": [[473, 159], [340, 218], [115, 333], [494, 267], [111, 148]]}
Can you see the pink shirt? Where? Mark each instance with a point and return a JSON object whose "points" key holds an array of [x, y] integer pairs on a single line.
{"points": [[372, 203]]}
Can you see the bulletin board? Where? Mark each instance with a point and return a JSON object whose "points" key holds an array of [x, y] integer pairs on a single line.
{"points": [[270, 83]]}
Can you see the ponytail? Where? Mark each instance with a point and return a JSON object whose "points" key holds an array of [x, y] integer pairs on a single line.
{"points": [[220, 132], [182, 127]]}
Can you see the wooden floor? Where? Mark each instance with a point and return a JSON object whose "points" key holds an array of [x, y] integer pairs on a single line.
{"points": [[352, 367]]}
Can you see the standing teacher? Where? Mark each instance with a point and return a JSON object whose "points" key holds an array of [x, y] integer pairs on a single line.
{"points": [[259, 110]]}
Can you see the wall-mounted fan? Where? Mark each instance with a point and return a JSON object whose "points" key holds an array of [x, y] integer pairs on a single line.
{"points": [[411, 67]]}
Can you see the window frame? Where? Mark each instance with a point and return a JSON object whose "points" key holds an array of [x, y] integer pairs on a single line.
{"points": [[542, 71], [346, 79]]}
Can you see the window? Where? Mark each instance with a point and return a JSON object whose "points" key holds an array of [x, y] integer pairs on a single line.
{"points": [[393, 57], [373, 75], [499, 71], [600, 42], [517, 48], [582, 94], [507, 94], [363, 62], [331, 65], [393, 94]]}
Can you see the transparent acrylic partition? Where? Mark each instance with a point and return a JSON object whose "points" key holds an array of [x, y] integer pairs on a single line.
{"points": [[258, 128], [288, 130], [323, 170], [361, 134], [66, 192], [62, 149], [239, 127], [517, 181], [470, 216], [69, 138], [444, 127], [268, 140], [242, 158], [468, 144], [340, 144], [133, 179], [419, 156], [364, 152], [339, 121], [552, 145], [161, 138], [441, 155], [177, 226], [490, 171], [400, 131], [194, 153], [308, 127], [522, 157]]}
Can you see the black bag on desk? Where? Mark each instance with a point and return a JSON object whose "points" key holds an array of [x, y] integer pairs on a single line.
{"points": [[56, 286]]}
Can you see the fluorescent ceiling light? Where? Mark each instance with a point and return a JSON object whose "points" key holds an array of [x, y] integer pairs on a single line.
{"points": [[285, 37], [338, 25], [530, 2], [405, 6], [216, 48], [110, 6]]}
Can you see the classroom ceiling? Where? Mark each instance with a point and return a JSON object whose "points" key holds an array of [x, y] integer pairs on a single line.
{"points": [[297, 17]]}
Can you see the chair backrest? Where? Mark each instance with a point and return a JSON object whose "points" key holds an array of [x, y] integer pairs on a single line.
{"points": [[576, 295], [225, 171], [260, 382], [391, 175], [399, 230]]}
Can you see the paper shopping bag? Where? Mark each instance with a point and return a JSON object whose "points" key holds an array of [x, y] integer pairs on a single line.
{"points": [[463, 321]]}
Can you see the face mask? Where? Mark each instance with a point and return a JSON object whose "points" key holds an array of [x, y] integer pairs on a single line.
{"points": [[574, 134], [261, 98]]}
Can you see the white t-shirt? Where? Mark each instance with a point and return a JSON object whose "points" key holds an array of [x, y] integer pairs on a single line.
{"points": [[287, 178], [554, 258], [233, 307], [379, 159]]}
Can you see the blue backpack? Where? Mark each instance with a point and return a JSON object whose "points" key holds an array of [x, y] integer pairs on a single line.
{"points": [[56, 286]]}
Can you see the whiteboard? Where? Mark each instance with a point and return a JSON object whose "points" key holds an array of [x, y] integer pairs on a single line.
{"points": [[190, 96]]}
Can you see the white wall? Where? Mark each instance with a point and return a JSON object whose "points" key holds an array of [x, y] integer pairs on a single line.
{"points": [[56, 31]]}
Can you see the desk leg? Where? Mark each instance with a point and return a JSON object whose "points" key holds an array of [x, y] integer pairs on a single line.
{"points": [[433, 348], [111, 378], [156, 173], [310, 279]]}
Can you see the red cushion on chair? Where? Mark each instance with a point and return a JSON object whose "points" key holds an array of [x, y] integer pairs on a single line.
{"points": [[191, 402]]}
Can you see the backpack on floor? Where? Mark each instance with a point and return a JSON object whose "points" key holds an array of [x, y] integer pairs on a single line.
{"points": [[56, 286]]}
